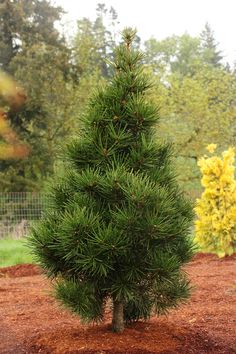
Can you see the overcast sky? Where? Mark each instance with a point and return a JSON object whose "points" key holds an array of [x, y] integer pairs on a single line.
{"points": [[162, 18]]}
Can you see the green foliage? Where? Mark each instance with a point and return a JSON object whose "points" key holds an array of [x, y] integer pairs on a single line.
{"points": [[210, 52], [47, 116], [177, 54], [14, 252], [196, 95], [195, 91], [94, 41], [24, 23], [40, 61], [192, 109], [117, 224], [82, 298]]}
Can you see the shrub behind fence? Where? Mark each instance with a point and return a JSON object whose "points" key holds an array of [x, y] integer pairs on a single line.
{"points": [[17, 211]]}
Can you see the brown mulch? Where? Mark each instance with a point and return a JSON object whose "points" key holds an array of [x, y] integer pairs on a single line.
{"points": [[31, 321], [20, 270]]}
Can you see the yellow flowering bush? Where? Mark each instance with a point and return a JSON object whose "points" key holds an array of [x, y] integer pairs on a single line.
{"points": [[215, 227]]}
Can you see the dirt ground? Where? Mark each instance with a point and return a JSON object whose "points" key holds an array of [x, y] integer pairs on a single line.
{"points": [[32, 322]]}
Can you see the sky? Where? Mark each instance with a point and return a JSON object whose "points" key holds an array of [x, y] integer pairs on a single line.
{"points": [[163, 18]]}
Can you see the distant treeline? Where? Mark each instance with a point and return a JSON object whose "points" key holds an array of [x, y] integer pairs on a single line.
{"points": [[192, 85]]}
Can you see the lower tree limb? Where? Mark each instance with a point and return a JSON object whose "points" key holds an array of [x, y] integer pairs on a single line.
{"points": [[118, 316]]}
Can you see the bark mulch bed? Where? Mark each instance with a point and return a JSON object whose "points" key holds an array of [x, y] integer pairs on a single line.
{"points": [[32, 322]]}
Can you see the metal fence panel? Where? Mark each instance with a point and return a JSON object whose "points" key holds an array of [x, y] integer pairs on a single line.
{"points": [[17, 211]]}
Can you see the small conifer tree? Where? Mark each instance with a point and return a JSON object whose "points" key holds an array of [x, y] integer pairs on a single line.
{"points": [[216, 209], [117, 225]]}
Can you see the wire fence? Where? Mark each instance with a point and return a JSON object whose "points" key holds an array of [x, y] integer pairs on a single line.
{"points": [[17, 211]]}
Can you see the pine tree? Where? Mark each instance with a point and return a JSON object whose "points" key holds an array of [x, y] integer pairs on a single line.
{"points": [[210, 52], [117, 226]]}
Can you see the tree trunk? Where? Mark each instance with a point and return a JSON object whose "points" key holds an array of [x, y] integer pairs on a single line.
{"points": [[118, 317]]}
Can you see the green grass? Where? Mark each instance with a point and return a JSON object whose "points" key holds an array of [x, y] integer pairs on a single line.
{"points": [[14, 252]]}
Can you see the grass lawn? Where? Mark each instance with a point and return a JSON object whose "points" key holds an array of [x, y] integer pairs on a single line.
{"points": [[14, 252]]}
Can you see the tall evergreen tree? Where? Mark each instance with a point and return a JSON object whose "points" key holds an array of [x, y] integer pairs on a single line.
{"points": [[94, 41], [117, 225], [210, 52]]}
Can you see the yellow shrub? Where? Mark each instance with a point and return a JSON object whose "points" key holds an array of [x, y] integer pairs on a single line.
{"points": [[216, 209]]}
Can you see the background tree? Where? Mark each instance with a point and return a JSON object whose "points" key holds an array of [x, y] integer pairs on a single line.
{"points": [[195, 110], [40, 61], [117, 226], [23, 23], [94, 41], [184, 55], [176, 54], [196, 96], [210, 52], [195, 90], [58, 79]]}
